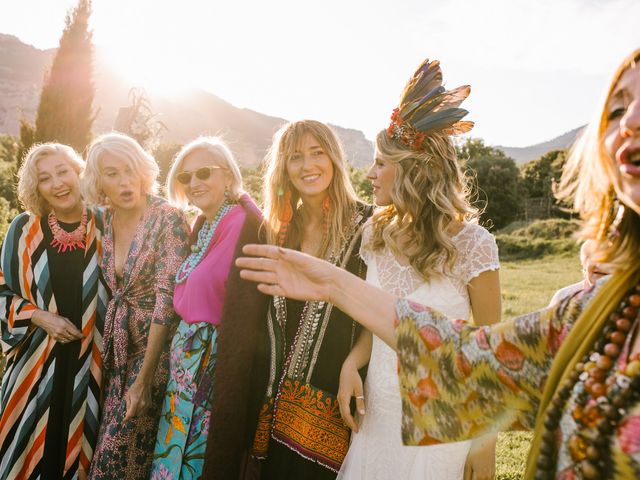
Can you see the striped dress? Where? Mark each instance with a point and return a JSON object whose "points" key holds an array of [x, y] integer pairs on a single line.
{"points": [[27, 383]]}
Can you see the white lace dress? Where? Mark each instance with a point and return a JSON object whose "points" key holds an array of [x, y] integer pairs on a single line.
{"points": [[376, 452]]}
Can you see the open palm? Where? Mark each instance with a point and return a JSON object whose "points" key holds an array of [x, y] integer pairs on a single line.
{"points": [[285, 272]]}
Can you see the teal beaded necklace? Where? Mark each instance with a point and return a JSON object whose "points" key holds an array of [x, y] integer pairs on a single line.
{"points": [[199, 249]]}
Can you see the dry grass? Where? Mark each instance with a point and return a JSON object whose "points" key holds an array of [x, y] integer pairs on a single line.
{"points": [[526, 286]]}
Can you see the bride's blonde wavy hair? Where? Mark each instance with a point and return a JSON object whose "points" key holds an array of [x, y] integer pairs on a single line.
{"points": [[429, 191]]}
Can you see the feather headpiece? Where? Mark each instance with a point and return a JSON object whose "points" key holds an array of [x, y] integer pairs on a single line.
{"points": [[426, 107]]}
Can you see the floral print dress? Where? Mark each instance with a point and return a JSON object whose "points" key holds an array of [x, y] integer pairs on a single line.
{"points": [[143, 295]]}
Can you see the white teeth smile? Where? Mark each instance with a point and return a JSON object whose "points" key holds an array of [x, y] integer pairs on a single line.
{"points": [[310, 178], [63, 194]]}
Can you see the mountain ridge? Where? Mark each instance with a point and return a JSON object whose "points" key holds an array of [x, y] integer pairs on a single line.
{"points": [[197, 112]]}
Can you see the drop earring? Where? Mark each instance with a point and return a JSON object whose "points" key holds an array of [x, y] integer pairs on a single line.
{"points": [[285, 215]]}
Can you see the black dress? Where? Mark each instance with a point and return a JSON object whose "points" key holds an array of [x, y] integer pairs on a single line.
{"points": [[282, 462], [66, 270], [296, 450]]}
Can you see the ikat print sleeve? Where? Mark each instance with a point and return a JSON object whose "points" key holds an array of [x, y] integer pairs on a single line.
{"points": [[172, 244], [458, 381]]}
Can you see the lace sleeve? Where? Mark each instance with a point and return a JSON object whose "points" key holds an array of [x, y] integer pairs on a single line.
{"points": [[365, 248], [479, 252]]}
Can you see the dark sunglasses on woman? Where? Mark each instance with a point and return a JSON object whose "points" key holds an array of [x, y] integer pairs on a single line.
{"points": [[201, 173]]}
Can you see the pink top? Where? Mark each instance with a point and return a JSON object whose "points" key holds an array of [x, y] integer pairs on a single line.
{"points": [[201, 296]]}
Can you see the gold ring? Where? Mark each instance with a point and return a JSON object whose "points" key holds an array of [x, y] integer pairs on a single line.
{"points": [[361, 397]]}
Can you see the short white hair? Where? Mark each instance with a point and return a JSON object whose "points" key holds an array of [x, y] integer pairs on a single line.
{"points": [[28, 193], [121, 146], [218, 150]]}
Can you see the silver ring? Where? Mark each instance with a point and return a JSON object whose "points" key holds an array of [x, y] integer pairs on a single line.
{"points": [[361, 397]]}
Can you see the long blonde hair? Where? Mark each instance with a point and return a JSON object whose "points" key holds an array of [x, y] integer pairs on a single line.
{"points": [[429, 192], [588, 179], [342, 197]]}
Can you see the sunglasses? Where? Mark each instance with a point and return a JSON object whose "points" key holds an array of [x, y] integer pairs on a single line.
{"points": [[201, 173]]}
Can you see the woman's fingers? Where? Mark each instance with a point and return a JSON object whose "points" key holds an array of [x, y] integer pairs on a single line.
{"points": [[61, 329], [74, 333], [344, 402], [257, 263], [273, 290], [259, 276], [256, 250], [360, 403]]}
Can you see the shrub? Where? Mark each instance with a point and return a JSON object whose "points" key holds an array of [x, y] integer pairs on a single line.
{"points": [[549, 229]]}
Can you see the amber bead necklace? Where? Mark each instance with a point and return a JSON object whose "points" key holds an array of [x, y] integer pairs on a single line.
{"points": [[602, 397]]}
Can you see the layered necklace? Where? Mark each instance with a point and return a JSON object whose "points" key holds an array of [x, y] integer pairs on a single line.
{"points": [[604, 394], [68, 241], [200, 248]]}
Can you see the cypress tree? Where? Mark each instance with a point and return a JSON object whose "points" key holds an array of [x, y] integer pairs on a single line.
{"points": [[65, 111]]}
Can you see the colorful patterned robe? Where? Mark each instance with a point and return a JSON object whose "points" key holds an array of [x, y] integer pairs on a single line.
{"points": [[143, 296], [26, 384], [459, 381]]}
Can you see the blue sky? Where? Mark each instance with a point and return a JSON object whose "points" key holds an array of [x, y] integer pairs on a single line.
{"points": [[536, 68]]}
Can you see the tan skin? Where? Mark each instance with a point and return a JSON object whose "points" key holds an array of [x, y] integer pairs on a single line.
{"points": [[123, 187], [59, 187], [484, 295]]}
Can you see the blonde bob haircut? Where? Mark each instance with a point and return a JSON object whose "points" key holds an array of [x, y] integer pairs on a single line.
{"points": [[429, 192], [121, 146], [220, 155], [342, 197], [589, 180], [28, 193]]}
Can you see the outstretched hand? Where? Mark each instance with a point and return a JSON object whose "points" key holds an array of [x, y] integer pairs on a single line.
{"points": [[288, 273], [285, 272]]}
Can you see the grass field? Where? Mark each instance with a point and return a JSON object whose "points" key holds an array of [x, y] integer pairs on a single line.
{"points": [[526, 286]]}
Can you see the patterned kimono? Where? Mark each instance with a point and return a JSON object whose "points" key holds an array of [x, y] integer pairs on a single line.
{"points": [[143, 296], [30, 353], [459, 381]]}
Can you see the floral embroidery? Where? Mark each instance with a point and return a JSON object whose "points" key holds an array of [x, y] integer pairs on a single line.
{"points": [[308, 419]]}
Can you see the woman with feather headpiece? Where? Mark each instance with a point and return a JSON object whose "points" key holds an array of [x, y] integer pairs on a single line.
{"points": [[425, 244]]}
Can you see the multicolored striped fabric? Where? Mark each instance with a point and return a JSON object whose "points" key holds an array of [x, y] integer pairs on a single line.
{"points": [[28, 379]]}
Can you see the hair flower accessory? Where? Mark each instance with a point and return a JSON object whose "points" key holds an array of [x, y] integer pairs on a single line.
{"points": [[426, 107]]}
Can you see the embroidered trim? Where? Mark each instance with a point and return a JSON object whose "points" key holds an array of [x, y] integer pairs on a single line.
{"points": [[308, 421], [263, 430]]}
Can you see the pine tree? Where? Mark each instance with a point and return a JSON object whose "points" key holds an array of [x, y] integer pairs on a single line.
{"points": [[65, 111], [27, 139]]}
